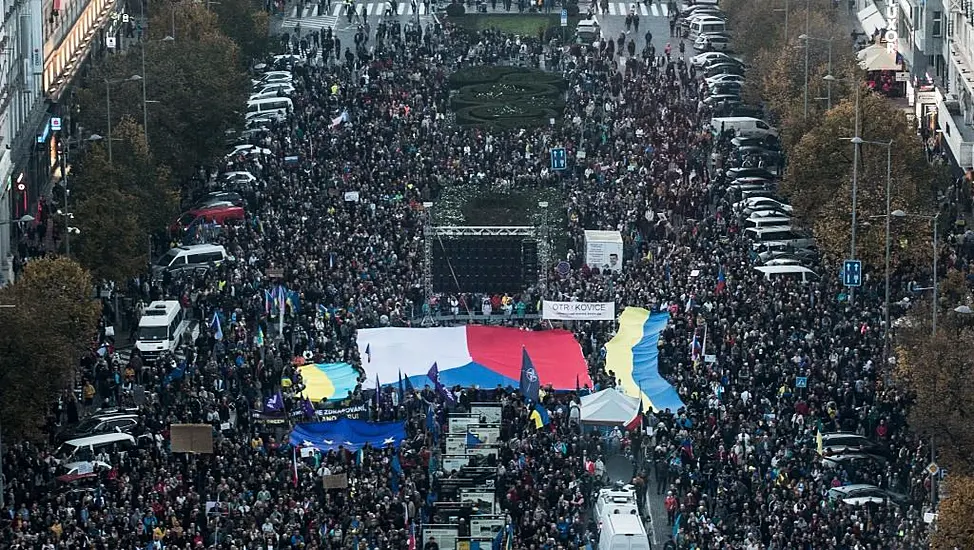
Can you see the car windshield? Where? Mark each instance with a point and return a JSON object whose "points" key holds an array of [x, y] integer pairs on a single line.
{"points": [[153, 333], [167, 258], [88, 425]]}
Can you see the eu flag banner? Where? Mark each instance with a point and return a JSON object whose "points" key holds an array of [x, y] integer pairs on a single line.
{"points": [[351, 434]]}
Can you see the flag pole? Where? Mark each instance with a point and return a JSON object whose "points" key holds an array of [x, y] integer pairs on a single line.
{"points": [[280, 311], [703, 350]]}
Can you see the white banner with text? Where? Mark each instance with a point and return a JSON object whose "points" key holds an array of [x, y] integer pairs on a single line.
{"points": [[579, 311]]}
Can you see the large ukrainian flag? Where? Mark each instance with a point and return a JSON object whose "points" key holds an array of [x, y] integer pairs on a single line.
{"points": [[633, 355]]}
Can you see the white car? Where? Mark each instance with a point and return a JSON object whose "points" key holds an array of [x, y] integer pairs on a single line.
{"points": [[286, 88], [762, 203], [86, 467], [237, 177], [702, 59], [248, 150], [724, 79]]}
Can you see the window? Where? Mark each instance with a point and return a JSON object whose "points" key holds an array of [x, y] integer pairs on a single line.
{"points": [[153, 333], [936, 26], [197, 259], [761, 124]]}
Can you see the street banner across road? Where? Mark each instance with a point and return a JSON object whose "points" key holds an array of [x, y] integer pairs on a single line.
{"points": [[579, 311]]}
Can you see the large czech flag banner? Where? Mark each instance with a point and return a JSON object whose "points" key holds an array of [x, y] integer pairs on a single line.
{"points": [[472, 355]]}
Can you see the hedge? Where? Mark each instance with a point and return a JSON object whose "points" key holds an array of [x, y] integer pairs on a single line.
{"points": [[506, 97]]}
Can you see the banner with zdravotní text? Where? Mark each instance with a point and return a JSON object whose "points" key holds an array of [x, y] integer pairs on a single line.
{"points": [[579, 311]]}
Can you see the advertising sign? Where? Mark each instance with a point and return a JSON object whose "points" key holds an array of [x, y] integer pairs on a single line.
{"points": [[579, 311]]}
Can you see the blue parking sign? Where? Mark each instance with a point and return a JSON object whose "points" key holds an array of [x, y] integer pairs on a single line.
{"points": [[852, 273], [801, 381]]}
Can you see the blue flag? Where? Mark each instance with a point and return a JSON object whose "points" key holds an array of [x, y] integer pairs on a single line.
{"points": [[408, 386], [215, 325], [402, 391], [473, 441], [530, 384], [434, 376], [431, 425], [275, 403], [308, 408], [352, 434], [395, 471], [498, 540]]}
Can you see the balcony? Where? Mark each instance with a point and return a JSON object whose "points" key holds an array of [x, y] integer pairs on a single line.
{"points": [[956, 133]]}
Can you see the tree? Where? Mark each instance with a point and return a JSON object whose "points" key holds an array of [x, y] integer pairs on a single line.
{"points": [[113, 243], [195, 82], [933, 368], [44, 336], [122, 203], [244, 22], [818, 182], [954, 526]]}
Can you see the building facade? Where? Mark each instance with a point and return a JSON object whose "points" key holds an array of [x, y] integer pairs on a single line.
{"points": [[46, 45]]}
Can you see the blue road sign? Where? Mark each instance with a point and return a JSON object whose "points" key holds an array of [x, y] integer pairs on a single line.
{"points": [[852, 273], [564, 18], [559, 159], [801, 381]]}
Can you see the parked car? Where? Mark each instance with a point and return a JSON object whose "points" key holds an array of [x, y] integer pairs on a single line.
{"points": [[94, 425], [723, 78], [703, 59], [711, 43], [769, 142], [746, 172], [763, 203], [218, 198], [221, 213], [860, 493], [843, 442]]}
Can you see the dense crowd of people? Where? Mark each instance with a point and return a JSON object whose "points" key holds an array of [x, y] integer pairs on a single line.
{"points": [[737, 467]]}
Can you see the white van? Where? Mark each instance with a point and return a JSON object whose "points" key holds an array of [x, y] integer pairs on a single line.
{"points": [[86, 448], [161, 328], [190, 257], [788, 272], [705, 25], [784, 234], [623, 532], [743, 126], [277, 105], [761, 222], [616, 501]]}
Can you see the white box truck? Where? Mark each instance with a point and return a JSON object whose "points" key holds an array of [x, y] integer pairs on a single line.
{"points": [[623, 532]]}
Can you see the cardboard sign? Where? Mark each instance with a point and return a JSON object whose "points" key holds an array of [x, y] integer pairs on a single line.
{"points": [[191, 438], [337, 481]]}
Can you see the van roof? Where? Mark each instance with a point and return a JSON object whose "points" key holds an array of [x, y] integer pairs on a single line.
{"points": [[268, 100], [159, 313], [783, 269], [758, 231], [768, 219], [201, 248], [626, 524], [99, 439]]}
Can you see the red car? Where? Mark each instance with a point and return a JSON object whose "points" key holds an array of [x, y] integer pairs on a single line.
{"points": [[221, 214]]}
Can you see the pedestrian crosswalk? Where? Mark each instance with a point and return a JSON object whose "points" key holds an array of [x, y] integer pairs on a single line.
{"points": [[314, 16], [643, 10]]}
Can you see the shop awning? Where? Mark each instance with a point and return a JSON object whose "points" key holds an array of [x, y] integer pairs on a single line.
{"points": [[877, 58], [871, 19]]}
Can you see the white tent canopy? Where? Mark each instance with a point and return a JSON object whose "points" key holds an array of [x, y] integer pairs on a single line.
{"points": [[609, 407], [877, 58]]}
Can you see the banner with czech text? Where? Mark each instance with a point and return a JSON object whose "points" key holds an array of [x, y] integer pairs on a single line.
{"points": [[579, 311]]}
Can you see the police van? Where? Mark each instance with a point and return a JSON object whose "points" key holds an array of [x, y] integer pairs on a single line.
{"points": [[162, 328]]}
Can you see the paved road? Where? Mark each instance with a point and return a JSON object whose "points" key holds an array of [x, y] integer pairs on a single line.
{"points": [[619, 468]]}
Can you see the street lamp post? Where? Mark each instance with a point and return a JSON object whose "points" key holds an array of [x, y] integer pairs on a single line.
{"points": [[936, 237], [806, 38], [889, 194], [856, 142], [145, 99]]}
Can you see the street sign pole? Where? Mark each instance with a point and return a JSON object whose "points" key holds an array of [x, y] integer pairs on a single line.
{"points": [[564, 25], [559, 159]]}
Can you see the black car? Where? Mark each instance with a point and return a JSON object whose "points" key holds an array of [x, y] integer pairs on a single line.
{"points": [[724, 68], [219, 198], [734, 173], [768, 143], [725, 61], [726, 88]]}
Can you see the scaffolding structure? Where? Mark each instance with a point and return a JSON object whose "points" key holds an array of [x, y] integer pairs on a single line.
{"points": [[432, 232]]}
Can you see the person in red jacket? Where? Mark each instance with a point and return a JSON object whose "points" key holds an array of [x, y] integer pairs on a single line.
{"points": [[672, 505]]}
